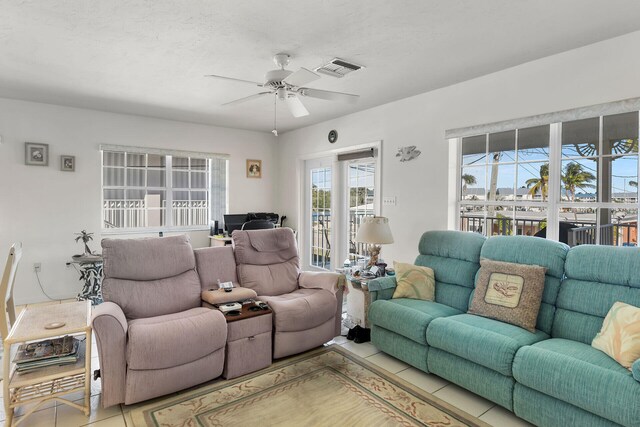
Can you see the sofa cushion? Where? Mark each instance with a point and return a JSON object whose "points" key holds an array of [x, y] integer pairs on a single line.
{"points": [[213, 264], [175, 339], [620, 334], [509, 292], [454, 257], [148, 258], [302, 309], [487, 342], [578, 374], [169, 295], [414, 281], [408, 317], [597, 277], [533, 251], [274, 279]]}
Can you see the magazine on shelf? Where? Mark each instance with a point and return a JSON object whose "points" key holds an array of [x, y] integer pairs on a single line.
{"points": [[48, 349]]}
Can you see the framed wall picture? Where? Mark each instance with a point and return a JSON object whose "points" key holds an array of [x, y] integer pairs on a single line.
{"points": [[68, 163], [254, 168], [36, 154]]}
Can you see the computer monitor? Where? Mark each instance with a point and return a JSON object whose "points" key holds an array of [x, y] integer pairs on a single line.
{"points": [[234, 222]]}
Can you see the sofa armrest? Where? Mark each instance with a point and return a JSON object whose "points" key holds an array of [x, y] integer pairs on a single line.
{"points": [[332, 282], [382, 288], [635, 370], [110, 327]]}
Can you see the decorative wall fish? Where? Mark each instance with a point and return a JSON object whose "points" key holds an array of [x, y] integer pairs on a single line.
{"points": [[408, 153]]}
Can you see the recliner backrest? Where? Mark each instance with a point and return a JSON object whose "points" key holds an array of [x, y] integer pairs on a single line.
{"points": [[533, 251], [267, 260], [150, 277], [596, 277], [454, 257], [213, 264]]}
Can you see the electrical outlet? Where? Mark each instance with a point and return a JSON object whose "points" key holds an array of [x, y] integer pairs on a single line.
{"points": [[37, 267], [389, 201]]}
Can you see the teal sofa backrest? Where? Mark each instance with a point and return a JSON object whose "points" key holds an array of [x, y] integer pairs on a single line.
{"points": [[454, 257], [596, 277], [533, 251]]}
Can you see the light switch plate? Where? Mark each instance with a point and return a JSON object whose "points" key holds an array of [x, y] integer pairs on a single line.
{"points": [[389, 201]]}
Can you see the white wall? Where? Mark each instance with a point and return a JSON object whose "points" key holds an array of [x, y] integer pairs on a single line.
{"points": [[43, 207], [598, 73]]}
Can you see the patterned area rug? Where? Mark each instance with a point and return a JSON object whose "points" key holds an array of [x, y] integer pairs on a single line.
{"points": [[325, 387]]}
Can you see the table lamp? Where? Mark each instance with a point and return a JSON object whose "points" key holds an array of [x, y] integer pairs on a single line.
{"points": [[375, 231]]}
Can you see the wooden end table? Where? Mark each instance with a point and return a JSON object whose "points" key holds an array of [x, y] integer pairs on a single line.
{"points": [[52, 382], [358, 301]]}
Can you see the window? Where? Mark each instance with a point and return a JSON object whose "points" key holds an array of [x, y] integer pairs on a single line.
{"points": [[579, 176], [503, 182], [361, 197], [161, 189], [321, 217]]}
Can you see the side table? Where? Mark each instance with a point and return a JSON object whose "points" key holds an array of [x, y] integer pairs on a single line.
{"points": [[249, 345], [49, 383], [358, 301]]}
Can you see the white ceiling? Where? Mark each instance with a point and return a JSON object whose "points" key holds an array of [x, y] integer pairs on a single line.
{"points": [[149, 57]]}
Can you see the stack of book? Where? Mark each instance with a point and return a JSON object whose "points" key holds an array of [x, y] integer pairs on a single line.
{"points": [[51, 352]]}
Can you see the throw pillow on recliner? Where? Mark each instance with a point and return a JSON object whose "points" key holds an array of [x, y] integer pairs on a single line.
{"points": [[414, 281], [619, 337], [509, 292]]}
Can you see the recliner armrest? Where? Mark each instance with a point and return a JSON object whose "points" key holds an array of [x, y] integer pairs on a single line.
{"points": [[110, 327], [382, 288], [635, 370], [332, 282]]}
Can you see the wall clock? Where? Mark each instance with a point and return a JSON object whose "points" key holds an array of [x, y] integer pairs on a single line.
{"points": [[333, 136]]}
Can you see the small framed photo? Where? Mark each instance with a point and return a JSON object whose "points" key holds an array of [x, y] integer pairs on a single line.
{"points": [[68, 163], [36, 154], [254, 168]]}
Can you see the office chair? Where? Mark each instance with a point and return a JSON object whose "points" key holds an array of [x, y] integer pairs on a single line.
{"points": [[258, 224]]}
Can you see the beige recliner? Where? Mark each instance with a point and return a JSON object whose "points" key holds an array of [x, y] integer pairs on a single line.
{"points": [[307, 306], [153, 336]]}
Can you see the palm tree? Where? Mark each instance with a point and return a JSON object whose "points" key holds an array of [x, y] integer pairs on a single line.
{"points": [[468, 180], [540, 185], [633, 183], [575, 177]]}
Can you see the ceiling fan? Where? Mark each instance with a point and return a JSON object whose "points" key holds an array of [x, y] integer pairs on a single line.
{"points": [[288, 86]]}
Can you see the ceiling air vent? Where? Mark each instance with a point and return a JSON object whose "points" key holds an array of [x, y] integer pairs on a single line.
{"points": [[338, 68]]}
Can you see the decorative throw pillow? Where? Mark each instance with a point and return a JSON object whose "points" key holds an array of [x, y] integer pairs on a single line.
{"points": [[620, 334], [509, 292], [413, 281]]}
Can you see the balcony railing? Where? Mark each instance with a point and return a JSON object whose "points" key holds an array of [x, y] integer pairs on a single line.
{"points": [[136, 214], [321, 239], [623, 234]]}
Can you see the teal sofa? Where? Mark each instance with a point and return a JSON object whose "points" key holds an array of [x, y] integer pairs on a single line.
{"points": [[552, 377]]}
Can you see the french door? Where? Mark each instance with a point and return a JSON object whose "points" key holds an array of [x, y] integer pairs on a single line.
{"points": [[338, 195], [318, 212]]}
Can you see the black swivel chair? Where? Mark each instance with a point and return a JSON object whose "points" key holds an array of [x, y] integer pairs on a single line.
{"points": [[258, 224]]}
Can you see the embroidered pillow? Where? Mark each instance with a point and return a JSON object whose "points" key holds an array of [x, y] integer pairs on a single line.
{"points": [[509, 292], [620, 334], [413, 281]]}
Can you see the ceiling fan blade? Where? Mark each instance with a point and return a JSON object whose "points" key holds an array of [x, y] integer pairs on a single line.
{"points": [[328, 95], [234, 79], [247, 98], [301, 77], [295, 106]]}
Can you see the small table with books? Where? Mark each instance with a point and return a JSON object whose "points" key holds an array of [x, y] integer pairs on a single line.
{"points": [[52, 360]]}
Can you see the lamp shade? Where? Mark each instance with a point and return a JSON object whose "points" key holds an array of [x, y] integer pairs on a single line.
{"points": [[374, 229]]}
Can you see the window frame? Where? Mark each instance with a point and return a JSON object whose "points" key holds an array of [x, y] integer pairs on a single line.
{"points": [[168, 188], [554, 201]]}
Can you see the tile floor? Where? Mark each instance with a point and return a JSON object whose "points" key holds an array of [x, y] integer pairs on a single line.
{"points": [[59, 415]]}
